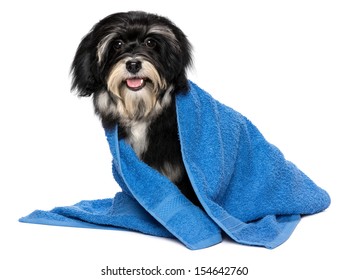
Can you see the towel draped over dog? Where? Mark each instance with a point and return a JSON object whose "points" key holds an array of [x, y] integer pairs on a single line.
{"points": [[245, 185]]}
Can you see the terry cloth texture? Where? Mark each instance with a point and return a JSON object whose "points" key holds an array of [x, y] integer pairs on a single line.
{"points": [[245, 185]]}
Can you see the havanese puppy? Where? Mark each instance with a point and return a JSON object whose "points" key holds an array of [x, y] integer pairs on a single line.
{"points": [[133, 64]]}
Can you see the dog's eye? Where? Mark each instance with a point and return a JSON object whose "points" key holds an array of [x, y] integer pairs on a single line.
{"points": [[118, 44], [150, 43]]}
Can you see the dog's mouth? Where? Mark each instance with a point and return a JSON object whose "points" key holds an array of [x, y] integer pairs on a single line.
{"points": [[136, 84]]}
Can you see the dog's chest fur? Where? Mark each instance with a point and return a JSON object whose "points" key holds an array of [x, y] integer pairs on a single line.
{"points": [[137, 137], [156, 142]]}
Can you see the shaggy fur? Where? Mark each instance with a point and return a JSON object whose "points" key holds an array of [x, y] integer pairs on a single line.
{"points": [[133, 64]]}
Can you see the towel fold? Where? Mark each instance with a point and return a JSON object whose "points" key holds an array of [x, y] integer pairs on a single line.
{"points": [[245, 185]]}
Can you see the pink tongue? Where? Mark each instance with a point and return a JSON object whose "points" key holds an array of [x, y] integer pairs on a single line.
{"points": [[134, 83]]}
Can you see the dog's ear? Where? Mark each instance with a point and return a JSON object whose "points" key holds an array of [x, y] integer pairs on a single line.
{"points": [[185, 60], [85, 78], [186, 50]]}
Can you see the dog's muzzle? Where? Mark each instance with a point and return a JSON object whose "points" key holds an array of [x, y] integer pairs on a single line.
{"points": [[135, 83], [133, 74]]}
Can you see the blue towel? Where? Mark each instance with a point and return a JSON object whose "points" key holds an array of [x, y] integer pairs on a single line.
{"points": [[245, 185]]}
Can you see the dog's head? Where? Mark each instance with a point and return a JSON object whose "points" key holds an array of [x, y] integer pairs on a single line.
{"points": [[130, 62]]}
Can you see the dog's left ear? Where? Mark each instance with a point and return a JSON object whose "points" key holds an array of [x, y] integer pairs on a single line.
{"points": [[180, 58], [186, 50], [85, 78]]}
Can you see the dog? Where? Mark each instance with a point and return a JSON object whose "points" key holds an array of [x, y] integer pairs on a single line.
{"points": [[133, 64]]}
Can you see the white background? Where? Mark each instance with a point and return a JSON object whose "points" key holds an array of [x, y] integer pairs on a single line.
{"points": [[283, 64]]}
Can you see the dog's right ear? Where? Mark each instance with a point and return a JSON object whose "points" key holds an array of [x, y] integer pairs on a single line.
{"points": [[85, 79]]}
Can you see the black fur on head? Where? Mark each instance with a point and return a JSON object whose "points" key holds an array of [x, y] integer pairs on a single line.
{"points": [[107, 62]]}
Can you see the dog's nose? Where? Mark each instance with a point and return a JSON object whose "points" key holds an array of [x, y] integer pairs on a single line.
{"points": [[133, 66]]}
